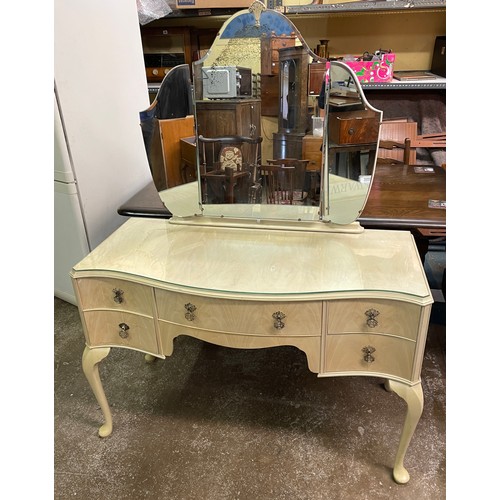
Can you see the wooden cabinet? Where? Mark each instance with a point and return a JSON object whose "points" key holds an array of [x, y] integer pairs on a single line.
{"points": [[228, 117], [294, 62], [315, 78], [311, 151], [270, 47]]}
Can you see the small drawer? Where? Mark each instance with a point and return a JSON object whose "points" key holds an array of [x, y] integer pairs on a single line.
{"points": [[240, 316], [377, 354], [389, 317], [108, 293], [353, 128], [117, 328]]}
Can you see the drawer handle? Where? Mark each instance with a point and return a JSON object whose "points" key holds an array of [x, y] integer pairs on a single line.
{"points": [[350, 131], [279, 316], [118, 298], [368, 351], [123, 330], [372, 314], [190, 308]]}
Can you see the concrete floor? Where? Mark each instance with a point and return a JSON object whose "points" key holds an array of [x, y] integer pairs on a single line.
{"points": [[212, 423]]}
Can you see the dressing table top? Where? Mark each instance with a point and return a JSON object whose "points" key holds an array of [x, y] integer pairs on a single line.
{"points": [[296, 265]]}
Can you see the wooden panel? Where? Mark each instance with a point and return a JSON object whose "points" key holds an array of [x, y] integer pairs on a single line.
{"points": [[316, 77], [270, 95], [171, 131], [311, 150]]}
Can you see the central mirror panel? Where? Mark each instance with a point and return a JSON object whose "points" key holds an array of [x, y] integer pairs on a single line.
{"points": [[254, 110]]}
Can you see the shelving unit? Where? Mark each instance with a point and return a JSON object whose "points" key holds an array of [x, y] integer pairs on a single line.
{"points": [[438, 83]]}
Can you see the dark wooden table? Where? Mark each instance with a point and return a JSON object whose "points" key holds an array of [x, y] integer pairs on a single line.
{"points": [[399, 199]]}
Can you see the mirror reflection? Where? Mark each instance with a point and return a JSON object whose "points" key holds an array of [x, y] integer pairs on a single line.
{"points": [[280, 133]]}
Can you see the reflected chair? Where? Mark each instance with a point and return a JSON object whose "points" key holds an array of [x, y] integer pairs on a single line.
{"points": [[229, 168], [284, 181], [395, 142]]}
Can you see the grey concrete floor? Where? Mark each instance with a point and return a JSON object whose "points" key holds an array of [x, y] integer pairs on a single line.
{"points": [[212, 423]]}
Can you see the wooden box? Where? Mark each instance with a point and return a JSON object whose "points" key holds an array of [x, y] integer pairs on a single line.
{"points": [[353, 127]]}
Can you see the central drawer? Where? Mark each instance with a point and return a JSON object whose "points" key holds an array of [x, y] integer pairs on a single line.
{"points": [[240, 316]]}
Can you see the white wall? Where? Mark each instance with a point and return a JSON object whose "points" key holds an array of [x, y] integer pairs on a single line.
{"points": [[101, 85]]}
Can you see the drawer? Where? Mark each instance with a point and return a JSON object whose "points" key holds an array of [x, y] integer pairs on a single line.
{"points": [[240, 316], [386, 355], [108, 293], [390, 317], [118, 328], [353, 128]]}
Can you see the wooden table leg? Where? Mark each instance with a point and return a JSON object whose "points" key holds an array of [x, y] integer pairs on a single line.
{"points": [[414, 398], [90, 362]]}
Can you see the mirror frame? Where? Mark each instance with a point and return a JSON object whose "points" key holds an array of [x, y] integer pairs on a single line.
{"points": [[326, 211]]}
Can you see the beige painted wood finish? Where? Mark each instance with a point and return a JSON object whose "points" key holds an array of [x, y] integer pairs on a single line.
{"points": [[153, 280]]}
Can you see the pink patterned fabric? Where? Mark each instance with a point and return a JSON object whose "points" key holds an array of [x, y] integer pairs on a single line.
{"points": [[374, 71]]}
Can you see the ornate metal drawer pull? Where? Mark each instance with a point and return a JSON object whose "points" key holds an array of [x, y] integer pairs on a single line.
{"points": [[372, 314], [368, 351], [279, 316], [123, 330], [190, 308], [118, 298]]}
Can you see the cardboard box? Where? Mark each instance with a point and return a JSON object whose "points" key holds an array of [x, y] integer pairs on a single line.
{"points": [[374, 71], [213, 4]]}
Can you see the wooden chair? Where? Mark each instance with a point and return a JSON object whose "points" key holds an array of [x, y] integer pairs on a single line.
{"points": [[395, 142], [228, 168], [393, 146], [399, 141], [284, 181]]}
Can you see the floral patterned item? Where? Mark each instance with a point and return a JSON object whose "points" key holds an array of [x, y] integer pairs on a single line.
{"points": [[374, 71]]}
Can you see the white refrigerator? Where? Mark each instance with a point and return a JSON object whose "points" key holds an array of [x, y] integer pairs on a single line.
{"points": [[100, 160], [70, 236]]}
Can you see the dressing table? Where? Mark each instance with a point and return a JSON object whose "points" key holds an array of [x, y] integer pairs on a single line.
{"points": [[355, 301]]}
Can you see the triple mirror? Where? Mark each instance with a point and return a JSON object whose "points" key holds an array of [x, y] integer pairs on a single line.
{"points": [[268, 145]]}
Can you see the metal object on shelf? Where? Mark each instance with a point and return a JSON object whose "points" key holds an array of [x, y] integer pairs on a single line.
{"points": [[378, 5]]}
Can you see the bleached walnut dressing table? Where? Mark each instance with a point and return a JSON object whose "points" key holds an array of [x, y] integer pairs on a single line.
{"points": [[355, 301]]}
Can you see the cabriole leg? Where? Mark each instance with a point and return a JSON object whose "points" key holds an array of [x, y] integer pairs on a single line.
{"points": [[414, 398], [90, 362]]}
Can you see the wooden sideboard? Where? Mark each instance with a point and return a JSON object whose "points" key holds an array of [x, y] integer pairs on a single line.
{"points": [[357, 304]]}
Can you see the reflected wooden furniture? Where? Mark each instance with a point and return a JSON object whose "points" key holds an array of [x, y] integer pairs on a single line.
{"points": [[188, 159], [352, 135], [171, 132], [394, 148], [361, 309], [222, 117], [228, 168], [286, 184], [400, 197]]}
